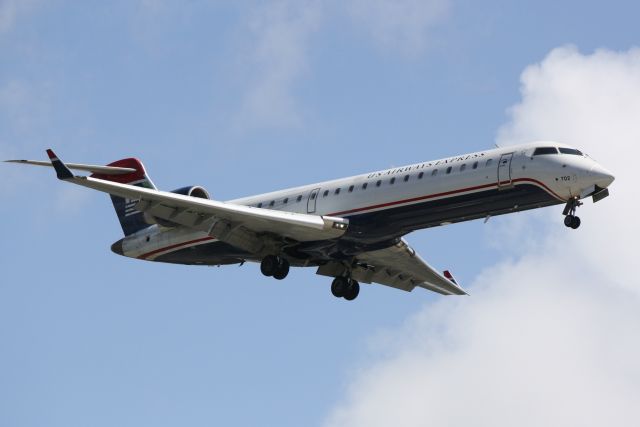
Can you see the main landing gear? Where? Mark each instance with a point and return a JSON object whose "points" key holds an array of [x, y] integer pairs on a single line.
{"points": [[278, 268], [273, 266], [570, 218], [345, 287]]}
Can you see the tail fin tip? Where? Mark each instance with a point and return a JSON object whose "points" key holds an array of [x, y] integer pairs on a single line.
{"points": [[130, 219]]}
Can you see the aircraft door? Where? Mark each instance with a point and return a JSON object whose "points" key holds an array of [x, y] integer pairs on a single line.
{"points": [[504, 171], [313, 198]]}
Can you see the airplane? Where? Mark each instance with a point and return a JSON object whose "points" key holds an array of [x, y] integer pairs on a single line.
{"points": [[351, 229]]}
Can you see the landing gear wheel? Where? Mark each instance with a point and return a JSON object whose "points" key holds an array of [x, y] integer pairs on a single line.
{"points": [[575, 223], [269, 265], [572, 221], [339, 286], [352, 291], [282, 270], [568, 220]]}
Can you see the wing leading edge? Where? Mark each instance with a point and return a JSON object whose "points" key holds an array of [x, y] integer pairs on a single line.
{"points": [[397, 266], [209, 214]]}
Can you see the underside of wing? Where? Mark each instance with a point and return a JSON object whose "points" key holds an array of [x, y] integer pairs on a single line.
{"points": [[398, 266], [194, 212], [198, 213]]}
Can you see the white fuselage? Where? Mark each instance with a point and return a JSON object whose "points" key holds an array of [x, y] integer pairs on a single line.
{"points": [[389, 203]]}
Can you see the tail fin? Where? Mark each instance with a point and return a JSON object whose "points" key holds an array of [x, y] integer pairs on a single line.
{"points": [[131, 220]]}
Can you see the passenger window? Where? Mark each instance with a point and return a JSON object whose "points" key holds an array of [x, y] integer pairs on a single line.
{"points": [[475, 165], [326, 193], [260, 204], [286, 200], [392, 181], [420, 175], [350, 188], [337, 191], [364, 186], [463, 167], [378, 182], [299, 198], [449, 170], [489, 163], [271, 203], [435, 172], [406, 178], [545, 150], [313, 196]]}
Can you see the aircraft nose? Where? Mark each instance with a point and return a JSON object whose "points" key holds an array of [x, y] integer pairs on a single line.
{"points": [[601, 176]]}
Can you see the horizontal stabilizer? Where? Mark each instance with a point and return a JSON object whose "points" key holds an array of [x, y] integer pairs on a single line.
{"points": [[104, 170]]}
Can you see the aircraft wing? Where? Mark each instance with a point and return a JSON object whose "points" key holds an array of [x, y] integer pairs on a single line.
{"points": [[104, 170], [399, 266], [195, 212]]}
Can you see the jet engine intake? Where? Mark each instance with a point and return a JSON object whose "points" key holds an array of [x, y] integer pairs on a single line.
{"points": [[193, 191]]}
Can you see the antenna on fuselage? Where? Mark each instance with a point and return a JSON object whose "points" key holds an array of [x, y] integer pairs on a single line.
{"points": [[496, 144]]}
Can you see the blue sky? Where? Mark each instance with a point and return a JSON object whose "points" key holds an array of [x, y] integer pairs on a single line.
{"points": [[244, 98]]}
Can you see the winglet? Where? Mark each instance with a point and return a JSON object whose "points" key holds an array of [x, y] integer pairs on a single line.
{"points": [[449, 276], [62, 171]]}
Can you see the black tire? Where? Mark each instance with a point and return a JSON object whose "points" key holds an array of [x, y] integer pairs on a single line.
{"points": [[282, 271], [352, 291], [568, 221], [269, 265], [339, 286], [575, 223]]}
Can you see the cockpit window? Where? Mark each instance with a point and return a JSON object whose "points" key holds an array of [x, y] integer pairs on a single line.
{"points": [[545, 150], [570, 151]]}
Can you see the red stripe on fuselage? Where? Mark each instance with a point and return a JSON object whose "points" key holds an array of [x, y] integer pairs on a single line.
{"points": [[382, 205], [446, 193], [176, 246]]}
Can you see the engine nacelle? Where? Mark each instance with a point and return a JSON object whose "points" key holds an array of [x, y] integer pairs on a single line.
{"points": [[191, 191]]}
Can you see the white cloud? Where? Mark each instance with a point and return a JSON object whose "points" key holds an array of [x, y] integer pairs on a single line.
{"points": [[281, 33], [591, 102], [10, 10], [400, 25], [551, 339], [277, 59]]}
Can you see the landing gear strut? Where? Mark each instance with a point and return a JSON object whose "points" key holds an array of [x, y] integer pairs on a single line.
{"points": [[273, 266], [344, 287], [570, 218]]}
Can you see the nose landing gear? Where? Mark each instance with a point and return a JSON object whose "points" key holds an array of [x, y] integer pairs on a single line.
{"points": [[569, 212]]}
